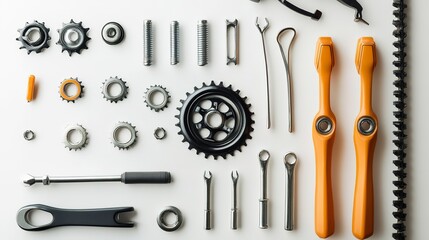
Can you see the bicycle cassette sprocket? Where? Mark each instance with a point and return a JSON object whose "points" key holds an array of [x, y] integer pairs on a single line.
{"points": [[73, 37], [34, 37], [215, 120]]}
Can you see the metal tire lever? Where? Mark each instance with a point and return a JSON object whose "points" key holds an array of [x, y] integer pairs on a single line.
{"points": [[315, 16], [101, 217], [287, 68]]}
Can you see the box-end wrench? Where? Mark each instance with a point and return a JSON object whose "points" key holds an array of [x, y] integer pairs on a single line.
{"points": [[207, 210], [290, 161], [234, 209], [264, 156]]}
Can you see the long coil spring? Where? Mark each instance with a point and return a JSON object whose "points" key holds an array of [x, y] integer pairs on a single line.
{"points": [[401, 116]]}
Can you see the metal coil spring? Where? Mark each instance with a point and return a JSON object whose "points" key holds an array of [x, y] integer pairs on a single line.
{"points": [[400, 122]]}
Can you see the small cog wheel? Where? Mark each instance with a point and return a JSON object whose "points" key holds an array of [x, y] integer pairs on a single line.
{"points": [[120, 144], [70, 143], [106, 89], [34, 37], [215, 120], [74, 96], [150, 101], [73, 37]]}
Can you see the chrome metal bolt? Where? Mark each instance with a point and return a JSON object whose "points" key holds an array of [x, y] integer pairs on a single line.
{"points": [[203, 39], [147, 42], [174, 43]]}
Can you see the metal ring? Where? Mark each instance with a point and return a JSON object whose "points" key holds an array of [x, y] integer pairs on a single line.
{"points": [[31, 29], [29, 135], [170, 227], [149, 98], [324, 125], [112, 33], [130, 142], [110, 82], [79, 145], [160, 133], [73, 37], [71, 81], [371, 125]]}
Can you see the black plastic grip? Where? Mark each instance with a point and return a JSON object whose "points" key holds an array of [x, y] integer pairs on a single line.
{"points": [[145, 177]]}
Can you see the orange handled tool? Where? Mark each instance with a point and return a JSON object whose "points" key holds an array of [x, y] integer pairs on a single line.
{"points": [[324, 126], [365, 137]]}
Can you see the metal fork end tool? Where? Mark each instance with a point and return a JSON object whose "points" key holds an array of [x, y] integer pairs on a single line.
{"points": [[264, 157], [234, 209], [207, 210]]}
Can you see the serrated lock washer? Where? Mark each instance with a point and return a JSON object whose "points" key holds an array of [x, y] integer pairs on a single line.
{"points": [[150, 101], [69, 143], [34, 37], [106, 89], [73, 37], [63, 89], [124, 144]]}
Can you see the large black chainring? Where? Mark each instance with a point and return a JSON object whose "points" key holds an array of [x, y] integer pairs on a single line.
{"points": [[223, 138]]}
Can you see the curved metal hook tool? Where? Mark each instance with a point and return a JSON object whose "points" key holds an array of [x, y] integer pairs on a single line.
{"points": [[315, 16], [287, 67], [356, 5]]}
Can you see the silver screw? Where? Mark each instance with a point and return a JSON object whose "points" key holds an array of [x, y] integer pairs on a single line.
{"points": [[147, 42], [174, 43], [203, 46]]}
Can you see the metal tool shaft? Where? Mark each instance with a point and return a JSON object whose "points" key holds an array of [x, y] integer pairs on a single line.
{"points": [[290, 162], [207, 210], [263, 201], [234, 209]]}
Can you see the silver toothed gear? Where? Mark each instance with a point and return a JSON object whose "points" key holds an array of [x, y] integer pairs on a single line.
{"points": [[34, 37], [109, 83], [73, 37], [215, 120], [128, 143], [150, 102], [69, 143]]}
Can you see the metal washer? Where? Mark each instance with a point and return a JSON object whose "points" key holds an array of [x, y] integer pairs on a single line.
{"points": [[170, 227], [73, 37], [29, 135], [75, 146], [112, 33], [110, 82], [130, 142]]}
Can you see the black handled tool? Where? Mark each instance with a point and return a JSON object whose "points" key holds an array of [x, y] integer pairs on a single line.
{"points": [[100, 217], [315, 16], [127, 178], [356, 5]]}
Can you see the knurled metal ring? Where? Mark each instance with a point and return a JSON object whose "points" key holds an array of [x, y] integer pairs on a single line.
{"points": [[75, 145], [107, 92], [29, 135], [115, 135], [66, 83], [112, 33], [149, 98], [170, 227]]}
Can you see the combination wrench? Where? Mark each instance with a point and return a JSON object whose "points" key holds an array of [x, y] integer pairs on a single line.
{"points": [[290, 161]]}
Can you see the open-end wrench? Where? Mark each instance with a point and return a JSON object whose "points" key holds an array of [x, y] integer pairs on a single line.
{"points": [[290, 161], [264, 156], [207, 210], [234, 209]]}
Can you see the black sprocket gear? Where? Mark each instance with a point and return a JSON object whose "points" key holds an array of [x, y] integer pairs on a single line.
{"points": [[198, 125], [40, 31], [73, 37]]}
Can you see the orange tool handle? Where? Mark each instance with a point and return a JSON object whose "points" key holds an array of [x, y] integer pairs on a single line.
{"points": [[365, 137], [324, 126], [30, 88]]}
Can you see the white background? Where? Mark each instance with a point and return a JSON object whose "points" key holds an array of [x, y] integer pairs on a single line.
{"points": [[48, 116]]}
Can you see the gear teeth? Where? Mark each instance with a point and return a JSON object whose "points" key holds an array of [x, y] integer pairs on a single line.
{"points": [[214, 89], [112, 81], [157, 89], [78, 146], [75, 46], [36, 45]]}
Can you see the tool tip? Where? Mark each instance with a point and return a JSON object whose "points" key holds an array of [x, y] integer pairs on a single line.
{"points": [[28, 180], [207, 175]]}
